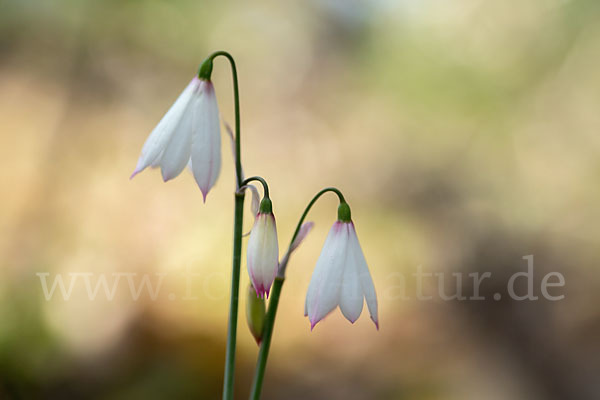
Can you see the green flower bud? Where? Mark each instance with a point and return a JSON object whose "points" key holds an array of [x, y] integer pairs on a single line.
{"points": [[255, 313]]}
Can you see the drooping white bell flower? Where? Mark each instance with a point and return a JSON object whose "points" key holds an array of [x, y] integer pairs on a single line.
{"points": [[341, 277], [263, 250], [188, 134]]}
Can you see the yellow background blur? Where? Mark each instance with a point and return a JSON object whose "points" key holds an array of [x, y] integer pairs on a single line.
{"points": [[464, 134]]}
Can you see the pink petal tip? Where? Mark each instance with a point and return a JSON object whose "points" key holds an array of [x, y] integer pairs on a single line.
{"points": [[375, 322], [135, 172], [204, 194], [166, 178]]}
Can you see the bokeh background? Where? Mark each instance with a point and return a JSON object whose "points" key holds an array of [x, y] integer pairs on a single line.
{"points": [[465, 136]]}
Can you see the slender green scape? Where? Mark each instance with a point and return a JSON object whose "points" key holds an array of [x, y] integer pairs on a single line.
{"points": [[204, 73], [261, 180]]}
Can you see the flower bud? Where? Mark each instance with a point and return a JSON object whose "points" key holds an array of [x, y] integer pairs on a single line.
{"points": [[255, 313], [263, 250]]}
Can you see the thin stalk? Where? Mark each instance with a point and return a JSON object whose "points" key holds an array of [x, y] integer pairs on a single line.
{"points": [[236, 98], [259, 179], [311, 203], [263, 353], [234, 299], [228, 376]]}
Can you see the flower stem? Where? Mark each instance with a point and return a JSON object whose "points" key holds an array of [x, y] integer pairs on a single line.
{"points": [[228, 378], [263, 353], [236, 99], [311, 203], [234, 299], [259, 179]]}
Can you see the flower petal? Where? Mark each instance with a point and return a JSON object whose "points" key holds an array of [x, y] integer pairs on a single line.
{"points": [[177, 153], [351, 294], [263, 253], [324, 288], [304, 230], [154, 146], [364, 276], [255, 202], [255, 205], [206, 140]]}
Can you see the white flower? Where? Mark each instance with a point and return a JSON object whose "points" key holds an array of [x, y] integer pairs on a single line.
{"points": [[263, 253], [341, 277], [188, 134]]}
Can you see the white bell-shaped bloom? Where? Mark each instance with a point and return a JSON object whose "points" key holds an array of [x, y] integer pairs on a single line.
{"points": [[341, 277], [263, 253], [188, 134]]}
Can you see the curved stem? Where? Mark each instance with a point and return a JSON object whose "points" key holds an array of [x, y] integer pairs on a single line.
{"points": [[259, 179], [309, 206], [228, 378], [265, 345], [236, 95]]}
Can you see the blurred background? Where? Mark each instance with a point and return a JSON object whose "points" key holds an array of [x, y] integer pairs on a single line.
{"points": [[465, 136]]}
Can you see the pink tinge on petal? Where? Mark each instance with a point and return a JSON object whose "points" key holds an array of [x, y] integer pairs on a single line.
{"points": [[205, 187], [135, 172], [204, 85], [258, 287], [302, 233], [375, 322], [314, 322], [259, 291], [262, 292], [138, 168], [312, 325], [339, 225]]}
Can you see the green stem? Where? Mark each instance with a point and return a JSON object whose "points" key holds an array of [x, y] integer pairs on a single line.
{"points": [[228, 378], [236, 98], [234, 299], [311, 203], [259, 179], [263, 353]]}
